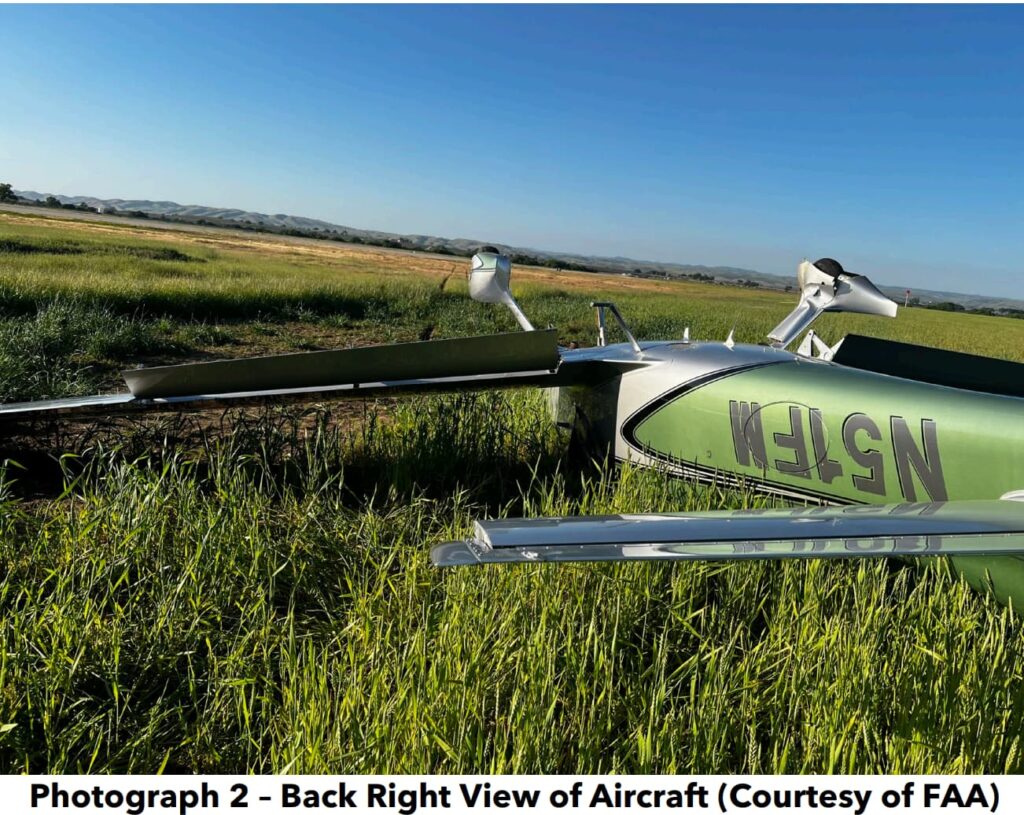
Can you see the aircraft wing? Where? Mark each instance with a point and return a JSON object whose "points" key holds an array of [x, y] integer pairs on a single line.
{"points": [[884, 530], [469, 363]]}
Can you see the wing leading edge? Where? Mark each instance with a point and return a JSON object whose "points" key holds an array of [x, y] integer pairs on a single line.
{"points": [[886, 530]]}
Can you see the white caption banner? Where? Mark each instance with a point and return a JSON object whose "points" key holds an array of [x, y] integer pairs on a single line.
{"points": [[416, 795]]}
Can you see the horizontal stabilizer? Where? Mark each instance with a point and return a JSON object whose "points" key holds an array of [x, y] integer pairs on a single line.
{"points": [[888, 530]]}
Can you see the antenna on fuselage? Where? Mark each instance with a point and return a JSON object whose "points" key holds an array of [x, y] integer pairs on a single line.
{"points": [[490, 273], [826, 286]]}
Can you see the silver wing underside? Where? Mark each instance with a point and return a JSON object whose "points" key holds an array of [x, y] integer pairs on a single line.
{"points": [[887, 530]]}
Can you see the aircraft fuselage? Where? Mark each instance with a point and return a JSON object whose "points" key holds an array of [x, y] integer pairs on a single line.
{"points": [[807, 429]]}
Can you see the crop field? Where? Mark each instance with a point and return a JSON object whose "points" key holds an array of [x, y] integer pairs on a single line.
{"points": [[252, 591]]}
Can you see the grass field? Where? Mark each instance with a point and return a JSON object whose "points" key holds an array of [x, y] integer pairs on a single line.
{"points": [[253, 592]]}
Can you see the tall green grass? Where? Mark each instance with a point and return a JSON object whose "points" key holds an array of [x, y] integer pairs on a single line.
{"points": [[266, 603]]}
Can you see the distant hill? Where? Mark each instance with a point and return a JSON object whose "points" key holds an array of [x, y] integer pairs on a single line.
{"points": [[311, 227]]}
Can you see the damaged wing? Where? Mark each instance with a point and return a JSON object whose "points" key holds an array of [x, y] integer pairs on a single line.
{"points": [[467, 363]]}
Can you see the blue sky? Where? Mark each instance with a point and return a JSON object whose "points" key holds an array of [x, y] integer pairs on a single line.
{"points": [[891, 138]]}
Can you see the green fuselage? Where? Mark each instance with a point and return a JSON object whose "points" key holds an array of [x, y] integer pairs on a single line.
{"points": [[834, 432], [815, 430]]}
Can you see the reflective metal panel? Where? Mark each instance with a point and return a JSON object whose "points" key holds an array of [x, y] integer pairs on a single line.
{"points": [[468, 553], [962, 527]]}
